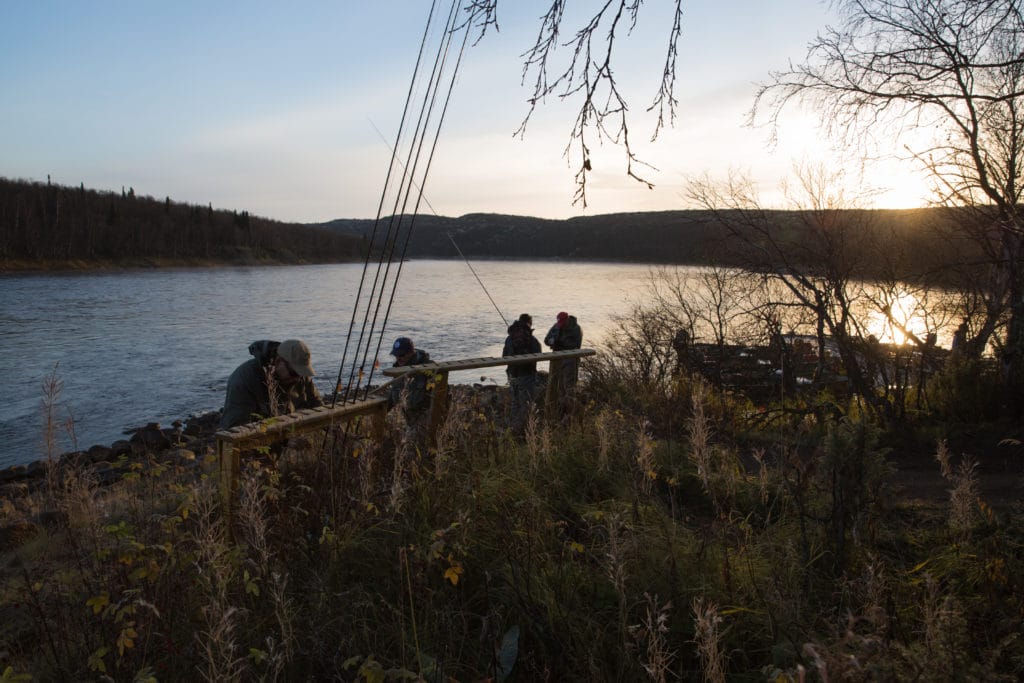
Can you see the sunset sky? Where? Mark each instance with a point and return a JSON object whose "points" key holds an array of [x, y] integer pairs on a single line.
{"points": [[273, 107]]}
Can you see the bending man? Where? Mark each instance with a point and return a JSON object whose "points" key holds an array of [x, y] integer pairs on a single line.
{"points": [[275, 381]]}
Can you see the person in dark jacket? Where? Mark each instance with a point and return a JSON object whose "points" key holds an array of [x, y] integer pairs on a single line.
{"points": [[275, 381], [413, 385], [565, 335], [522, 377]]}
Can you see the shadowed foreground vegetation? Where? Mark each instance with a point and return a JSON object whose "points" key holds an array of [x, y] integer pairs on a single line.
{"points": [[647, 535]]}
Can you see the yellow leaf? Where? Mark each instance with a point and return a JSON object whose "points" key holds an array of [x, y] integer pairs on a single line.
{"points": [[96, 662], [576, 547], [452, 574], [126, 639], [98, 602]]}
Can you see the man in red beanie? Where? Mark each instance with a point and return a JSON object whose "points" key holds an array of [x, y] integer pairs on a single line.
{"points": [[564, 335]]}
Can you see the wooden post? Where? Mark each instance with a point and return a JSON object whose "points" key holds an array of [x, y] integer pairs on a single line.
{"points": [[553, 396], [379, 423], [230, 471], [438, 405]]}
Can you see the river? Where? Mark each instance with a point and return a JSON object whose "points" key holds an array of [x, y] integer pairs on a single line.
{"points": [[132, 347]]}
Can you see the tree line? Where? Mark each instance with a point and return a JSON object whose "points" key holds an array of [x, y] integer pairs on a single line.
{"points": [[46, 223]]}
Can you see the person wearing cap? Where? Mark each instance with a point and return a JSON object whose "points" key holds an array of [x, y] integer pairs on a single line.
{"points": [[275, 381], [565, 335], [413, 385]]}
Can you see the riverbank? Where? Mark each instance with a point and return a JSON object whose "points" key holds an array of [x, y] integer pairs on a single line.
{"points": [[27, 267]]}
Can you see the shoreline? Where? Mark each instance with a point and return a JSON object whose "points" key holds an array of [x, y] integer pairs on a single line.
{"points": [[21, 267], [185, 441]]}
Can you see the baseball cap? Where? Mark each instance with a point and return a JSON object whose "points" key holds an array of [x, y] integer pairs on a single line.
{"points": [[402, 346], [296, 354]]}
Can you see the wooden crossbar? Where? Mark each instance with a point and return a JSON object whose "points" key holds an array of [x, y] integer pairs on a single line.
{"points": [[231, 442], [473, 363], [440, 370]]}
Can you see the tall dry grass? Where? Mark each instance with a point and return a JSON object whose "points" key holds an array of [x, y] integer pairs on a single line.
{"points": [[605, 548]]}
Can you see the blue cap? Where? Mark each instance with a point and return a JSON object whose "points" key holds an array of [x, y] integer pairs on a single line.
{"points": [[402, 346]]}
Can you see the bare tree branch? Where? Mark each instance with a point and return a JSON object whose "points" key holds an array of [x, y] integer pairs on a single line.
{"points": [[587, 75]]}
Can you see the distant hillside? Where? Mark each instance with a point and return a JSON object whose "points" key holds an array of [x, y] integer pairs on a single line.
{"points": [[669, 237], [44, 225], [653, 237]]}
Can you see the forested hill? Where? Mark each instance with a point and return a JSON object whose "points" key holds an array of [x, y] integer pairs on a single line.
{"points": [[44, 225], [650, 237], [669, 237]]}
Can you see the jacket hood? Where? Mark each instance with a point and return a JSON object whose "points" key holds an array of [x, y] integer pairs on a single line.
{"points": [[264, 351]]}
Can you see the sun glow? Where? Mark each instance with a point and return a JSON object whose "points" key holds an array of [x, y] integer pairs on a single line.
{"points": [[897, 184], [905, 315]]}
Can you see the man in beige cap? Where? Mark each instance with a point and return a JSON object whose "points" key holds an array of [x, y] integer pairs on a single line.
{"points": [[275, 381]]}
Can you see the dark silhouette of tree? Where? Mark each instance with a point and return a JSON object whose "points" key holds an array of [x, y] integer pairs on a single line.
{"points": [[947, 78], [52, 224]]}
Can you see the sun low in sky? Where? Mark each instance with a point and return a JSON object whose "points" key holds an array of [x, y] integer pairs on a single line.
{"points": [[274, 107]]}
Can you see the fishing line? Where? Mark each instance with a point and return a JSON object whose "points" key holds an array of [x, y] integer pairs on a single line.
{"points": [[472, 270], [457, 249]]}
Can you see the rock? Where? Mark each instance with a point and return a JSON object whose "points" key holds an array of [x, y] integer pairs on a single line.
{"points": [[149, 439], [97, 453], [74, 459], [199, 425], [119, 448], [11, 474]]}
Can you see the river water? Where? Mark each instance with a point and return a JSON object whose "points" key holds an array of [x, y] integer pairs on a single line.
{"points": [[132, 347]]}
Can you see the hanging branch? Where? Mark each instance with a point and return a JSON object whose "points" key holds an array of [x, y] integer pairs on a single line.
{"points": [[589, 78]]}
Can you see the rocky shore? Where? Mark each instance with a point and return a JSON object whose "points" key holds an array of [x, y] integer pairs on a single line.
{"points": [[183, 443]]}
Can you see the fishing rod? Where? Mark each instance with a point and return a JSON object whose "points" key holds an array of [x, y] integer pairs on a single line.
{"points": [[431, 207]]}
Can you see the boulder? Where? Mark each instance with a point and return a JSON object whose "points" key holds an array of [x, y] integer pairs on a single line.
{"points": [[149, 439], [97, 453], [119, 448]]}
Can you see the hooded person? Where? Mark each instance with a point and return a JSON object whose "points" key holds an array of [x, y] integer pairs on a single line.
{"points": [[413, 385], [522, 377], [278, 379], [565, 335]]}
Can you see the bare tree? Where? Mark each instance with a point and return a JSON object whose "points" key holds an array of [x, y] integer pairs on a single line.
{"points": [[809, 259], [946, 77]]}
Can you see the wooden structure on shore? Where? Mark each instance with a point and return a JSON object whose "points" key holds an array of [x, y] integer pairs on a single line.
{"points": [[232, 443], [792, 365]]}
